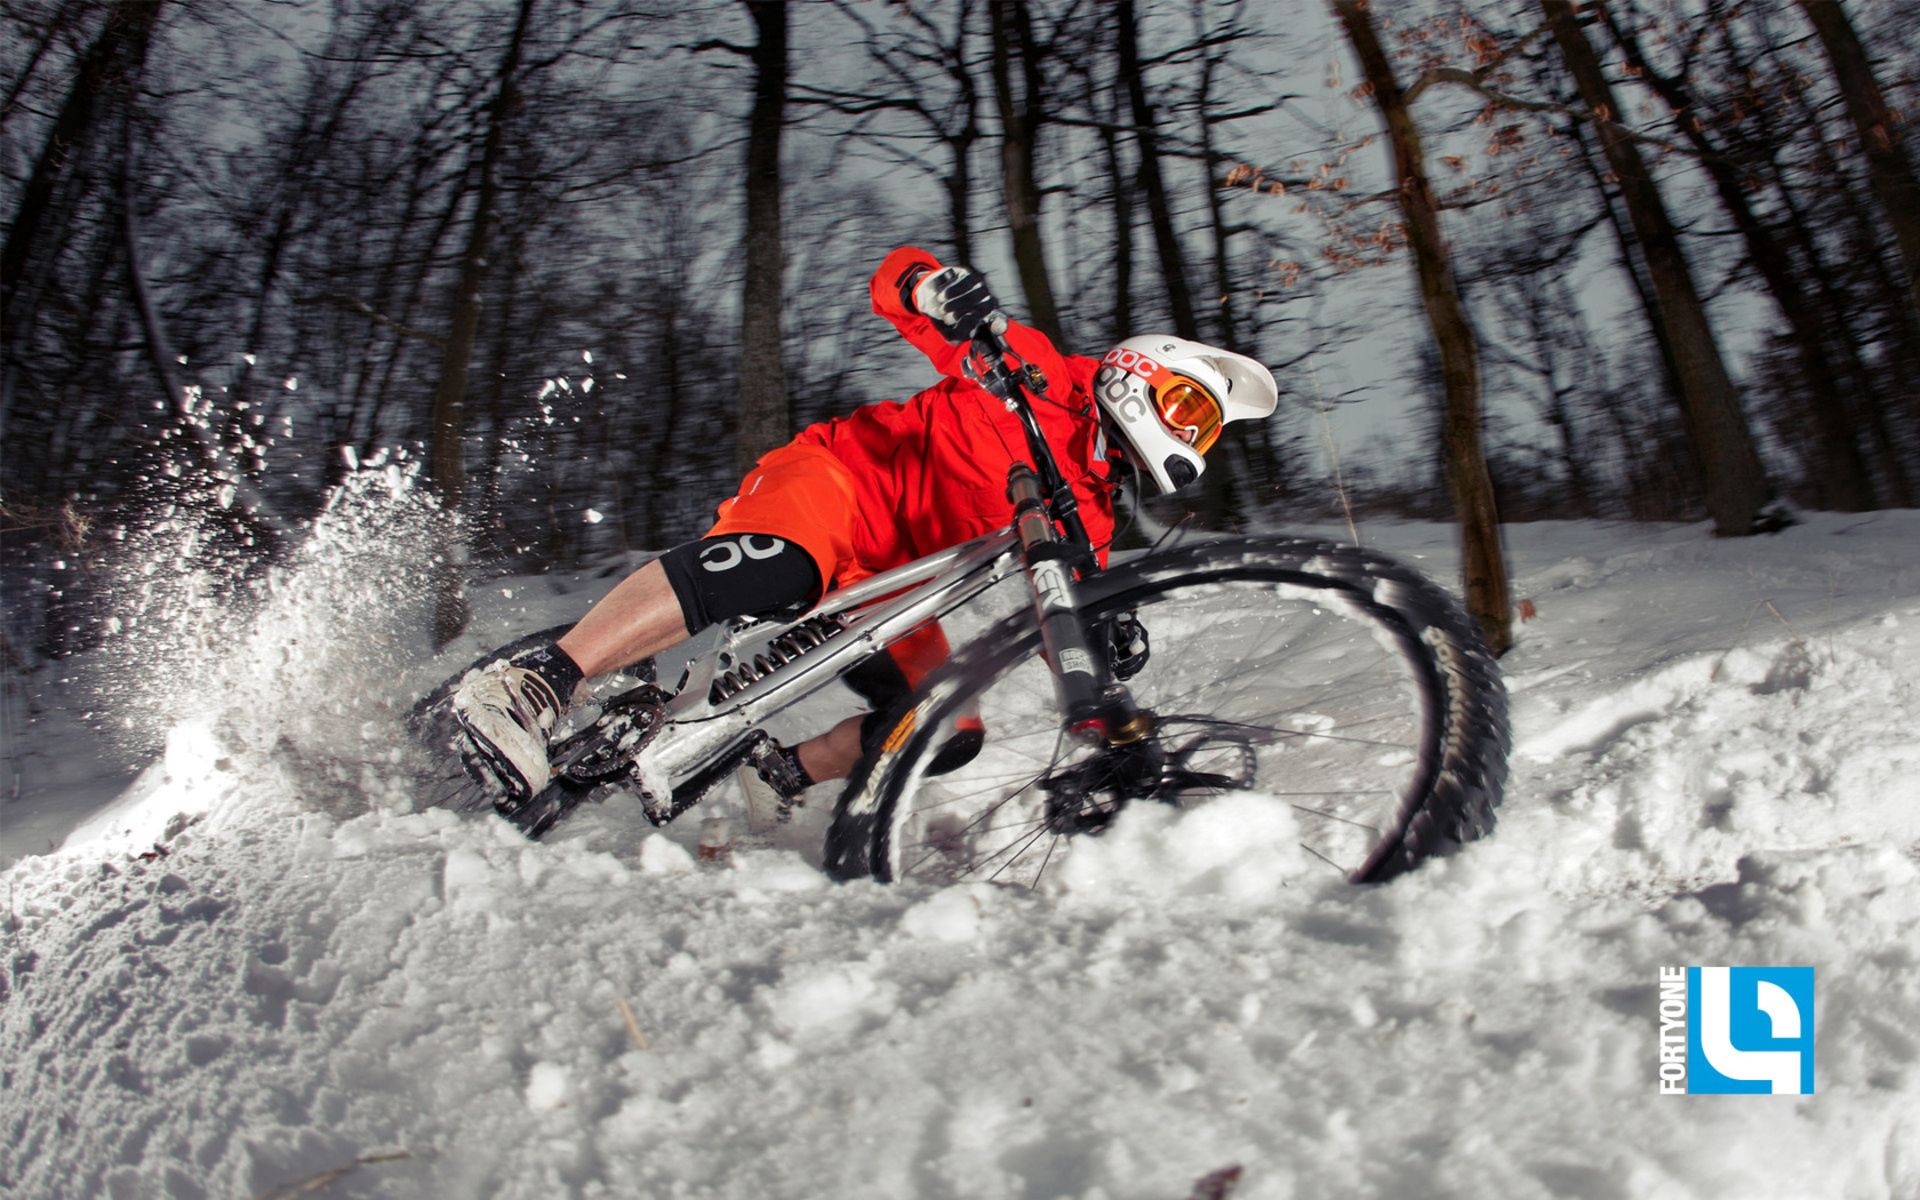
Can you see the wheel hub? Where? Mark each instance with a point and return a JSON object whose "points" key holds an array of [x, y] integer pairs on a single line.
{"points": [[1085, 797]]}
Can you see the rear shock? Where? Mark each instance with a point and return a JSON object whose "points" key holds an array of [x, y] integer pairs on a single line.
{"points": [[802, 638]]}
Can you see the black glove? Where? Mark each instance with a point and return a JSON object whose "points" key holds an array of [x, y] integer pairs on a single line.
{"points": [[957, 301]]}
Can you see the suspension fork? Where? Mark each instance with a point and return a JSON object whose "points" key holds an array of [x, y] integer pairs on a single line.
{"points": [[1097, 707]]}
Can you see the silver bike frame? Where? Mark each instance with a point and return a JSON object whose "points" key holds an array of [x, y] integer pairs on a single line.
{"points": [[874, 614], [878, 612]]}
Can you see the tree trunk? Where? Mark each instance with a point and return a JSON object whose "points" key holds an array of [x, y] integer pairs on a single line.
{"points": [[764, 420], [1222, 306], [103, 72], [1121, 271], [1229, 485], [1632, 263], [1846, 481], [1166, 240], [1894, 183], [448, 458], [1020, 123], [1218, 504], [960, 197], [1468, 480], [1841, 327], [1839, 320], [247, 501], [672, 381], [1736, 483], [1847, 214], [960, 145]]}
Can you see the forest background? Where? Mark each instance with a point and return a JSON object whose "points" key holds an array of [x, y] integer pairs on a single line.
{"points": [[569, 264]]}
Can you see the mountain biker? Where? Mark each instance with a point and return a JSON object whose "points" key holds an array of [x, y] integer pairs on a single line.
{"points": [[873, 490]]}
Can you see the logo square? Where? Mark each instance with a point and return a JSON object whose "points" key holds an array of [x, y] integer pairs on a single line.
{"points": [[1750, 1031]]}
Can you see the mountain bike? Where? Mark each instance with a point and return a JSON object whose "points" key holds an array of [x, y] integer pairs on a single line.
{"points": [[1320, 676]]}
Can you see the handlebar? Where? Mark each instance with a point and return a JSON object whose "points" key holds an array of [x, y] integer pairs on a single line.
{"points": [[989, 367]]}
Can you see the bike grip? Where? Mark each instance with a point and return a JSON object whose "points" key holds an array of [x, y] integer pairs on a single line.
{"points": [[991, 339]]}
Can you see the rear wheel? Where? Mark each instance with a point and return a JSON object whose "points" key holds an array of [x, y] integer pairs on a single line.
{"points": [[1325, 678]]}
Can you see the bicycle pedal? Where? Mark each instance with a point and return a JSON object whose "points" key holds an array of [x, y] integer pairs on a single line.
{"points": [[766, 807], [607, 747], [491, 778], [538, 814]]}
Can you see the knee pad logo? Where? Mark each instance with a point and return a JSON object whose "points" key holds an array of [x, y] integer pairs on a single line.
{"points": [[1749, 1031], [726, 555]]}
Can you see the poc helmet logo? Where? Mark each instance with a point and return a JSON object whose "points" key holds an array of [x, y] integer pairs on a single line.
{"points": [[1131, 360], [1123, 386]]}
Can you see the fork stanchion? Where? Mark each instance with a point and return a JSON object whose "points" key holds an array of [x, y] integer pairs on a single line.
{"points": [[1096, 708]]}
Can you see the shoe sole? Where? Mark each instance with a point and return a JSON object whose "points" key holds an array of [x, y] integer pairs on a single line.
{"points": [[496, 764]]}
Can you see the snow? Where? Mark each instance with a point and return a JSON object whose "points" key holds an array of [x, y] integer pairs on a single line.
{"points": [[261, 967]]}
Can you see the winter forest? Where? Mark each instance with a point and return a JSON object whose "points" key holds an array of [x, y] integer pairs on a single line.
{"points": [[347, 341], [572, 264]]}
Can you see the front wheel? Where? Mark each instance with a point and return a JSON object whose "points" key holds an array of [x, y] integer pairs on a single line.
{"points": [[1326, 678]]}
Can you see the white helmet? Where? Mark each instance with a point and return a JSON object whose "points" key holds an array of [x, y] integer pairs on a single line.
{"points": [[1167, 398]]}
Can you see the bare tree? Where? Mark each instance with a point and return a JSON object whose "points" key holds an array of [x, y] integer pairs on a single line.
{"points": [[1022, 116], [1736, 483], [927, 75], [1153, 186], [764, 421], [1880, 133], [449, 398], [1466, 466], [1845, 479], [1827, 223], [100, 93]]}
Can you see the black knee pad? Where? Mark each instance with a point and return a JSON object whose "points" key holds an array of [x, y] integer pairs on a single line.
{"points": [[740, 575]]}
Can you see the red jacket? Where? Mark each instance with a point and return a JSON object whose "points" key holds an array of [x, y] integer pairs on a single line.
{"points": [[931, 473]]}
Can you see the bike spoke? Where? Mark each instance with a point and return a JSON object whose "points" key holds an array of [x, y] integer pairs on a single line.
{"points": [[1321, 812], [1018, 850], [1323, 858]]}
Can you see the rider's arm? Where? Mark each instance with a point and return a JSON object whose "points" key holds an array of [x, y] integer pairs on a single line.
{"points": [[889, 287], [1068, 422]]}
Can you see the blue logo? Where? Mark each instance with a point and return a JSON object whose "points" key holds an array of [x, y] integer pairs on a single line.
{"points": [[1749, 1031]]}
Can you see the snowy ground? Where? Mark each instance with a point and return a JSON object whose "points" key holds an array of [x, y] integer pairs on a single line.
{"points": [[316, 991]]}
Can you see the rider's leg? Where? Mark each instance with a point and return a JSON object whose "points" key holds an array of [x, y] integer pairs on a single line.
{"points": [[511, 708], [782, 540], [883, 681], [636, 620], [687, 589], [832, 754], [887, 679]]}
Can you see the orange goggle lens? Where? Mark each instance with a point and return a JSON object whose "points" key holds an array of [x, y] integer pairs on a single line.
{"points": [[1191, 412]]}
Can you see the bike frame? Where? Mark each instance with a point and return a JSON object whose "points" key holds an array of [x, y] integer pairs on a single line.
{"points": [[1046, 542], [871, 615]]}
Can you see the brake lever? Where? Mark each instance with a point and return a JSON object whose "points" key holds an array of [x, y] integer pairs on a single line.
{"points": [[986, 363]]}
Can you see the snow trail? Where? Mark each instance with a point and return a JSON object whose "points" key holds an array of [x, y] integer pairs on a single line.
{"points": [[314, 976]]}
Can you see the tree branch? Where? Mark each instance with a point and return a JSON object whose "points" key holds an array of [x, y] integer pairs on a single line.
{"points": [[368, 311]]}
